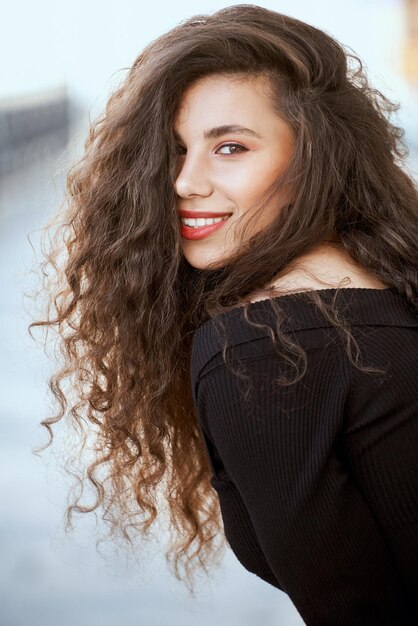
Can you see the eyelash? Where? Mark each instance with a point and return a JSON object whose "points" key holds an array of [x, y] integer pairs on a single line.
{"points": [[242, 148]]}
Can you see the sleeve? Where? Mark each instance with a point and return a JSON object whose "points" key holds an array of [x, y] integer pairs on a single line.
{"points": [[317, 530], [238, 527]]}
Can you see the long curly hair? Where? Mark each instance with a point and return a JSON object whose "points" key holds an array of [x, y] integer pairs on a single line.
{"points": [[125, 302]]}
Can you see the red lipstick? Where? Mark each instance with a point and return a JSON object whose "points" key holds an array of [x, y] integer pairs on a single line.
{"points": [[199, 232], [196, 214]]}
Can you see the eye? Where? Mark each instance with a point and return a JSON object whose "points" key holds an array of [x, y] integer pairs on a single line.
{"points": [[238, 149], [235, 146]]}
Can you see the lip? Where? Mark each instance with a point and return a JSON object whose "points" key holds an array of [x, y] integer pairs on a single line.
{"points": [[199, 233], [196, 214]]}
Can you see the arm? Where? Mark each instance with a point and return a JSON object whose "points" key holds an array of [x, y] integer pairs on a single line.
{"points": [[314, 526], [238, 528]]}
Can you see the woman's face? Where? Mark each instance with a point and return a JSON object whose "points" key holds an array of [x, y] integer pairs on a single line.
{"points": [[224, 171]]}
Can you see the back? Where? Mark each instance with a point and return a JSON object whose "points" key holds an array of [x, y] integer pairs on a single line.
{"points": [[318, 481]]}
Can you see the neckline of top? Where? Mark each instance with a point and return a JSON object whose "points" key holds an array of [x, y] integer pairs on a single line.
{"points": [[382, 302], [327, 290]]}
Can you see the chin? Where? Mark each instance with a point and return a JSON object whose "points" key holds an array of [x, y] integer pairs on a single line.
{"points": [[202, 263]]}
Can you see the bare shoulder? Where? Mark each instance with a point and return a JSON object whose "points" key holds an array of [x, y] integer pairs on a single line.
{"points": [[327, 266]]}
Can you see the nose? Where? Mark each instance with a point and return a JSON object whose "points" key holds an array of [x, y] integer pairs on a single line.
{"points": [[193, 178]]}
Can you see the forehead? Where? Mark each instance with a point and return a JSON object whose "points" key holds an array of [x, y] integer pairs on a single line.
{"points": [[215, 98]]}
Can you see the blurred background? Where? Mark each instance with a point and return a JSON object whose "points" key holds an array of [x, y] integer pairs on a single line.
{"points": [[59, 64]]}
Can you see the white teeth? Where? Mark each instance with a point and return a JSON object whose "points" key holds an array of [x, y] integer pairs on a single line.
{"points": [[200, 221]]}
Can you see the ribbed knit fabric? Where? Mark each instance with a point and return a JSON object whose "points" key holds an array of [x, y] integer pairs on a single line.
{"points": [[318, 481]]}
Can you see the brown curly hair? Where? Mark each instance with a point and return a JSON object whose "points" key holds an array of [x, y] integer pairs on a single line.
{"points": [[127, 302]]}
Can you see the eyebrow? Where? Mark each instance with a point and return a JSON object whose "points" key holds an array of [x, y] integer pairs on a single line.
{"points": [[218, 131]]}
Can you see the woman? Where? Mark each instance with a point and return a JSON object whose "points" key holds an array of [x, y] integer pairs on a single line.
{"points": [[179, 335]]}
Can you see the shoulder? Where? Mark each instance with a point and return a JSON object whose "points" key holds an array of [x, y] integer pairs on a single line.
{"points": [[392, 392], [376, 317], [328, 265]]}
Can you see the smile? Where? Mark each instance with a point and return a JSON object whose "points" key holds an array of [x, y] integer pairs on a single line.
{"points": [[199, 228]]}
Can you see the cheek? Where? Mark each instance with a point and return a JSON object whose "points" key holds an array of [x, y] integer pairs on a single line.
{"points": [[245, 181], [250, 187], [244, 184]]}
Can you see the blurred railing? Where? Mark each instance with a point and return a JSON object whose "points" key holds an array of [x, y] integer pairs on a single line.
{"points": [[32, 127]]}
